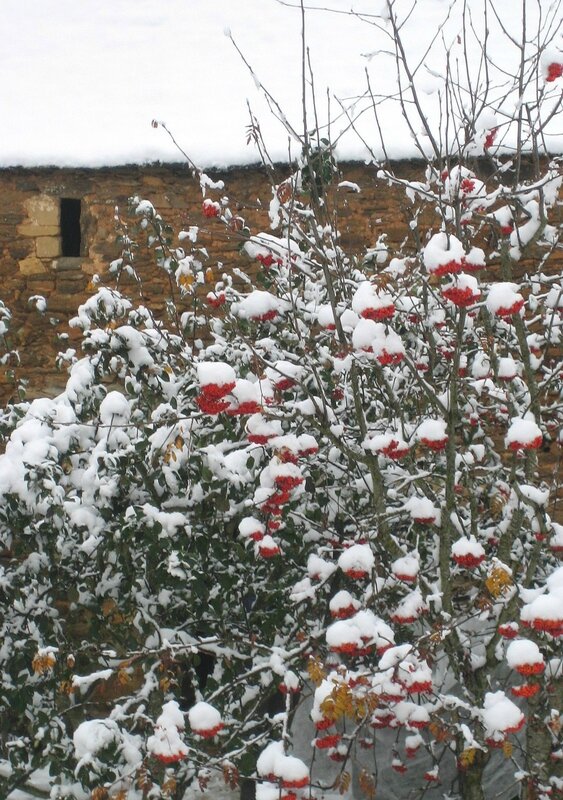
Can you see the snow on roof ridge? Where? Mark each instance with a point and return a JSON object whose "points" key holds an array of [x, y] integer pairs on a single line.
{"points": [[82, 93]]}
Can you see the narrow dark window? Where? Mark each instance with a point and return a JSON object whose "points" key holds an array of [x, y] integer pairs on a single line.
{"points": [[70, 226]]}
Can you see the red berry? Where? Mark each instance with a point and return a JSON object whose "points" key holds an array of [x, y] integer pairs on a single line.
{"points": [[210, 208], [554, 71]]}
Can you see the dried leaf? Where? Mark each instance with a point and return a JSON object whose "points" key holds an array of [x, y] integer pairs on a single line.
{"points": [[203, 778], [342, 782], [168, 787], [123, 677], [284, 192], [497, 503], [555, 723], [142, 779], [230, 775], [108, 606], [439, 732], [507, 748], [483, 603], [367, 784], [383, 280], [43, 662]]}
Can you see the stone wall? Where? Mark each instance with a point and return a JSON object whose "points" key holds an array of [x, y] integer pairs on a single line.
{"points": [[30, 245]]}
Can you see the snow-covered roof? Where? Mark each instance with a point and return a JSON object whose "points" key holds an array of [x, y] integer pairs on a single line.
{"points": [[82, 81]]}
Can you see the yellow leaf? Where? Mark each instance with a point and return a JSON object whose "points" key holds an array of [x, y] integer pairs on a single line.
{"points": [[360, 707], [186, 281], [467, 757], [343, 701], [327, 709], [498, 581], [372, 699], [316, 672]]}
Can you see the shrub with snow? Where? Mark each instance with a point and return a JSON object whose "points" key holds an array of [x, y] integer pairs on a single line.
{"points": [[334, 482]]}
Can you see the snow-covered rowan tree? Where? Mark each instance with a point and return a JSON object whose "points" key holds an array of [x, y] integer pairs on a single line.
{"points": [[324, 485]]}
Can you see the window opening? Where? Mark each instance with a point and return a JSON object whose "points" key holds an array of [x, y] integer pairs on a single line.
{"points": [[70, 226]]}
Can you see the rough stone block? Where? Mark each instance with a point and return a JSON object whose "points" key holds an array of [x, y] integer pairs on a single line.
{"points": [[41, 284], [47, 246], [31, 266], [64, 304], [10, 218], [75, 288], [94, 266], [33, 229], [18, 250], [68, 264], [43, 210]]}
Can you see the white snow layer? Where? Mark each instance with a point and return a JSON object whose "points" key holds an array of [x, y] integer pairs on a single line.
{"points": [[87, 78]]}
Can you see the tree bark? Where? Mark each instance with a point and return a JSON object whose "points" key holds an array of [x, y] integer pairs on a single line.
{"points": [[471, 778], [539, 741]]}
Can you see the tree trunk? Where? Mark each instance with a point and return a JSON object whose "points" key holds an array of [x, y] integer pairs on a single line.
{"points": [[539, 741], [471, 777]]}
